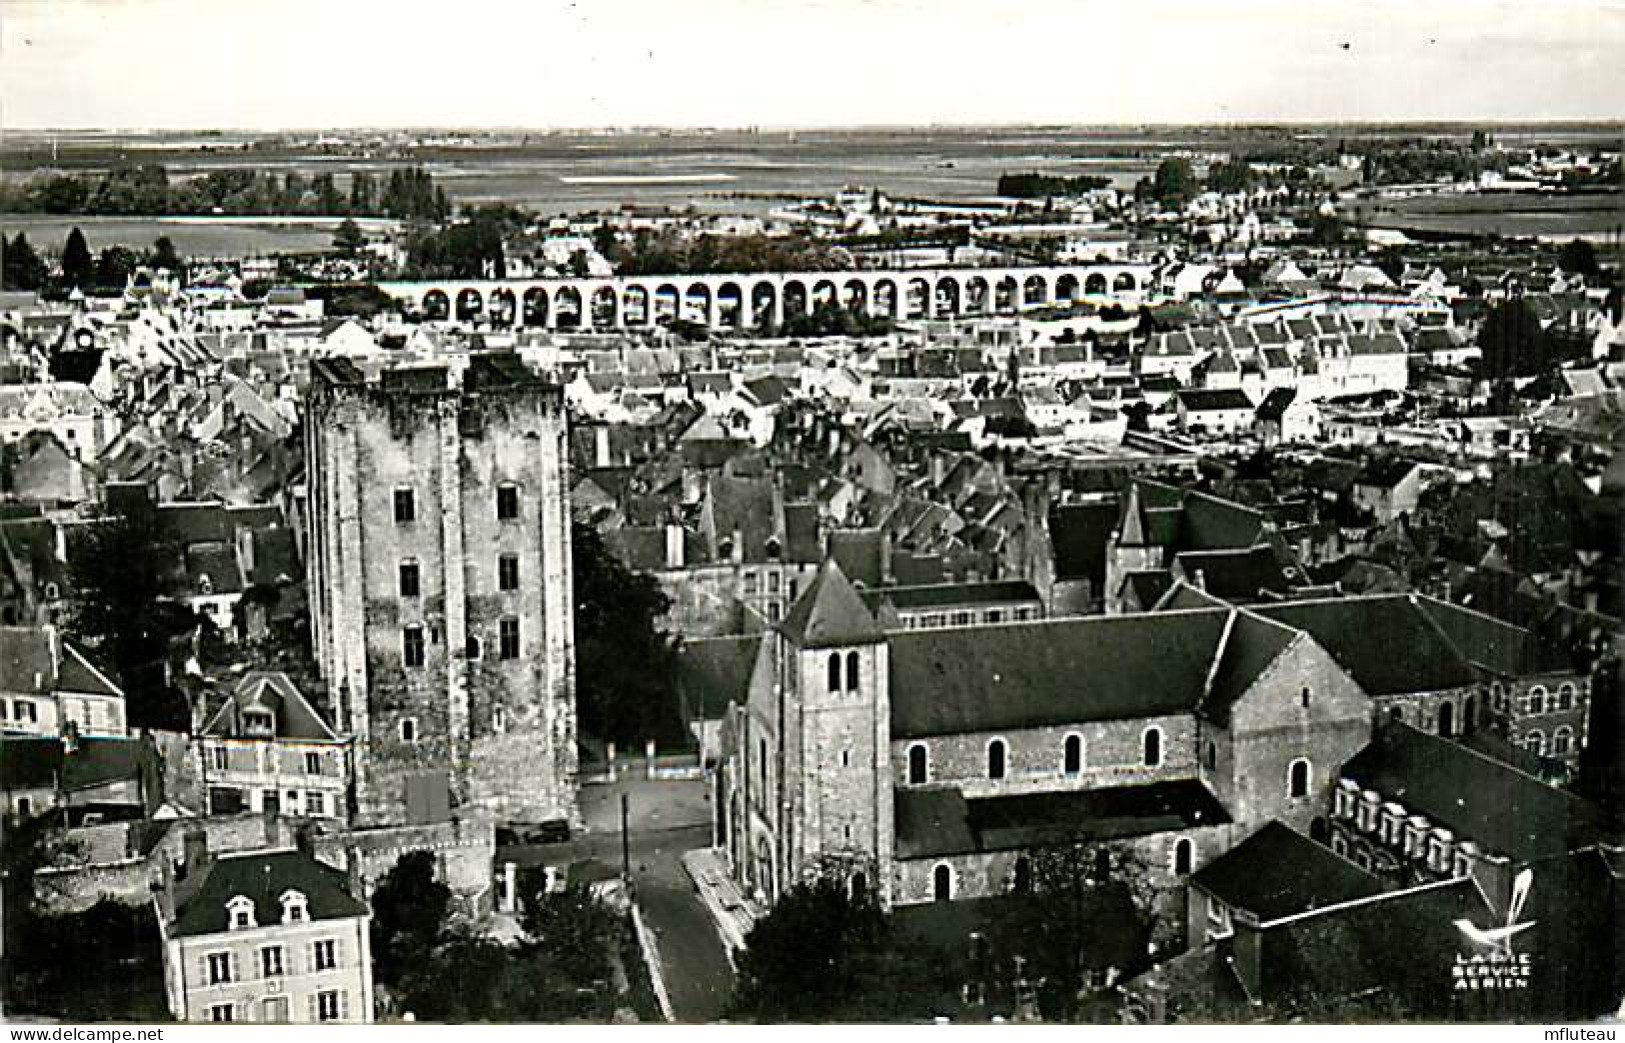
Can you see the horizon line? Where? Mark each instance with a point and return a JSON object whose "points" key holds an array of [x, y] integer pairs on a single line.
{"points": [[1599, 122]]}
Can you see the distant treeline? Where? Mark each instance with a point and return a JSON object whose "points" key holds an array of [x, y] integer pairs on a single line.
{"points": [[1033, 185], [146, 190]]}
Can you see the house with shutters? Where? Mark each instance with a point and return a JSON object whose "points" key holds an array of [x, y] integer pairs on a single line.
{"points": [[267, 936], [931, 764], [49, 686], [265, 748]]}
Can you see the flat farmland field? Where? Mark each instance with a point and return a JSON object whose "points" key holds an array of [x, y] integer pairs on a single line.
{"points": [[192, 236], [1510, 214]]}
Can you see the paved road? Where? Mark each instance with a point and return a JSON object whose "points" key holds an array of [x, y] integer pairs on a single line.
{"points": [[667, 820]]}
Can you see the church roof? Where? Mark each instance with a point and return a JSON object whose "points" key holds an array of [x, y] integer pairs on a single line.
{"points": [[1062, 671], [830, 612], [1362, 634]]}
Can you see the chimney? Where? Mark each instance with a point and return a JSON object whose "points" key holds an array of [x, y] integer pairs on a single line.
{"points": [[195, 850], [600, 446], [1199, 580], [738, 547], [70, 738], [674, 545], [273, 821], [886, 577]]}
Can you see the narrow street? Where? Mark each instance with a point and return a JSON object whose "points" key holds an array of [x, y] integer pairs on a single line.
{"points": [[666, 819]]}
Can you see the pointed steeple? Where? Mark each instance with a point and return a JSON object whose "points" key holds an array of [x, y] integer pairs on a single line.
{"points": [[1131, 532], [830, 612]]}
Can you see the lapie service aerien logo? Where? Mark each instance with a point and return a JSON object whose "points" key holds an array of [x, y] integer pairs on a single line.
{"points": [[1495, 963]]}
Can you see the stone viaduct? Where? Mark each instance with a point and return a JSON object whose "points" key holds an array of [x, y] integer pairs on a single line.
{"points": [[744, 301]]}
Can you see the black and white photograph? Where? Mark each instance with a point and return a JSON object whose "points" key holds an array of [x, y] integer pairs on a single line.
{"points": [[811, 512]]}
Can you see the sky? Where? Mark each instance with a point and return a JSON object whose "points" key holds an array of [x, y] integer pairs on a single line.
{"points": [[274, 64]]}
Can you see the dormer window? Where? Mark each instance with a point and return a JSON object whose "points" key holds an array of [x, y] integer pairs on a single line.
{"points": [[240, 913], [258, 722], [205, 585], [294, 907]]}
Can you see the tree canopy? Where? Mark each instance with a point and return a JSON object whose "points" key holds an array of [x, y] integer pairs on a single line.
{"points": [[563, 968], [408, 912], [116, 568], [624, 660], [825, 954], [23, 268], [78, 267]]}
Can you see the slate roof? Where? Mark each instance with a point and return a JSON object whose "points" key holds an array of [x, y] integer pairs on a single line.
{"points": [[1276, 403], [272, 690], [1385, 472], [714, 671], [1148, 586], [1079, 533], [1279, 872], [944, 595], [34, 762], [860, 554], [1363, 634], [1491, 644], [1237, 575], [934, 822], [1204, 400], [29, 663], [1477, 797], [1061, 671], [264, 877], [830, 612], [1250, 646]]}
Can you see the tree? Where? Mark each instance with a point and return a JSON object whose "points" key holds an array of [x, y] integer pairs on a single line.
{"points": [[1090, 907], [1579, 257], [624, 660], [1174, 182], [117, 569], [23, 269], [1512, 342], [607, 242], [571, 925], [408, 915], [114, 266], [349, 239], [826, 954], [78, 267], [164, 255], [1230, 178]]}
